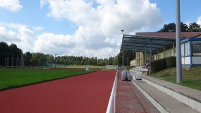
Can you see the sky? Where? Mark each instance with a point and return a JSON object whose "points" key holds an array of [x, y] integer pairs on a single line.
{"points": [[90, 28]]}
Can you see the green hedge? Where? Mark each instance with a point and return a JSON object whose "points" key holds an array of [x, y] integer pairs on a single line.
{"points": [[161, 64], [171, 61]]}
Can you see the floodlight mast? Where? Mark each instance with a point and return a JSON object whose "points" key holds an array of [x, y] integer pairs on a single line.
{"points": [[178, 43], [55, 60], [122, 50]]}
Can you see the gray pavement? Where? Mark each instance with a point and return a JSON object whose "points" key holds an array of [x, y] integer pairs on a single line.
{"points": [[189, 92], [167, 103], [130, 100], [168, 97]]}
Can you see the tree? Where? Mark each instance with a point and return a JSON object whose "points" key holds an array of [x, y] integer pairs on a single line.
{"points": [[171, 27], [15, 54], [28, 57], [127, 55], [38, 59], [4, 53], [115, 61], [194, 27], [9, 54], [119, 58]]}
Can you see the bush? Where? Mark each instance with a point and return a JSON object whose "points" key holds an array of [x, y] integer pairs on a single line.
{"points": [[161, 64], [171, 61], [158, 65]]}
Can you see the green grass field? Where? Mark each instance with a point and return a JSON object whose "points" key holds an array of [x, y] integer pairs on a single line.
{"points": [[80, 66], [191, 77], [12, 78]]}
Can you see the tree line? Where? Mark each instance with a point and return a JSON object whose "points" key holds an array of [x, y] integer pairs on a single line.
{"points": [[12, 56], [171, 27]]}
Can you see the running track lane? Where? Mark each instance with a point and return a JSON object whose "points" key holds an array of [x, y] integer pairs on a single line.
{"points": [[88, 93]]}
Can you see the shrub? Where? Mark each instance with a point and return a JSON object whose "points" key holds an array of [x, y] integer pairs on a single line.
{"points": [[161, 64], [158, 65], [171, 61]]}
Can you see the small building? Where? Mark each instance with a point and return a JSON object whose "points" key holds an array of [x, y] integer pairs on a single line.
{"points": [[191, 52]]}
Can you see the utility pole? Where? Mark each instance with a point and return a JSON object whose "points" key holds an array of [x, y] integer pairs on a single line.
{"points": [[178, 43]]}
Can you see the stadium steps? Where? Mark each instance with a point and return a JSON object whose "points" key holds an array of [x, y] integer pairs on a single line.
{"points": [[168, 97]]}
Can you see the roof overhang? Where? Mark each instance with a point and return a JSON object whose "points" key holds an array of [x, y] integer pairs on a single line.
{"points": [[144, 43]]}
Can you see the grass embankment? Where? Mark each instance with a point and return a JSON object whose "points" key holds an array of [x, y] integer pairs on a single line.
{"points": [[12, 78], [191, 77]]}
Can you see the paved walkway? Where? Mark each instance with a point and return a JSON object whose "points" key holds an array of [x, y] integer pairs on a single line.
{"points": [[189, 92], [170, 97], [88, 93], [130, 100]]}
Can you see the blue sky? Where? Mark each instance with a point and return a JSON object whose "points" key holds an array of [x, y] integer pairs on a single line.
{"points": [[32, 15], [190, 10], [85, 27]]}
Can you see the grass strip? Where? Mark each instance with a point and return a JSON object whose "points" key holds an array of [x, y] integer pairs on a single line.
{"points": [[13, 78], [191, 76]]}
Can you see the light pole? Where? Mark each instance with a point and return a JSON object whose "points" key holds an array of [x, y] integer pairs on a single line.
{"points": [[12, 62], [55, 60], [122, 59], [17, 61], [109, 60], [122, 50], [7, 60], [122, 31], [178, 43]]}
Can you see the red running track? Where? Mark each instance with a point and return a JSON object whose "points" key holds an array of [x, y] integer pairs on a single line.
{"points": [[87, 93]]}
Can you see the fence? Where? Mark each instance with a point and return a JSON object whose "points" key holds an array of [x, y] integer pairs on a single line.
{"points": [[112, 101]]}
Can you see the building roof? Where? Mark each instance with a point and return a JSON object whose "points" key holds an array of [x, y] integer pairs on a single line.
{"points": [[190, 39], [169, 34], [152, 41]]}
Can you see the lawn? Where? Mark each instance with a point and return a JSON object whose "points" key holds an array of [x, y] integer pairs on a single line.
{"points": [[80, 66], [191, 76], [12, 78]]}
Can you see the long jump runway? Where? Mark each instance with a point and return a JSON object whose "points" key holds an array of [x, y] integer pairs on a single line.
{"points": [[88, 93]]}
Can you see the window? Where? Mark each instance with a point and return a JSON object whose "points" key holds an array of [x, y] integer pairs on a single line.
{"points": [[196, 49], [187, 49], [182, 49]]}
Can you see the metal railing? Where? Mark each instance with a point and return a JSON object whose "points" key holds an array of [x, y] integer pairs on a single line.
{"points": [[112, 101]]}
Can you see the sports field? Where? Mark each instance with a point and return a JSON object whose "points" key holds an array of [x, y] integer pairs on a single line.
{"points": [[87, 93], [12, 78]]}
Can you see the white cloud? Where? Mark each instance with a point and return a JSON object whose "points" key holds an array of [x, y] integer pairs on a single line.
{"points": [[39, 28], [80, 44], [8, 35], [199, 20], [50, 43], [18, 34], [12, 5], [110, 15], [100, 23]]}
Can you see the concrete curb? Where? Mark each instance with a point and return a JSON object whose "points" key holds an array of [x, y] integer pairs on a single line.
{"points": [[191, 102], [160, 107]]}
